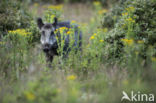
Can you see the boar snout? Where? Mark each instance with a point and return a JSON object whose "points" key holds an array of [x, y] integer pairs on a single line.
{"points": [[46, 47]]}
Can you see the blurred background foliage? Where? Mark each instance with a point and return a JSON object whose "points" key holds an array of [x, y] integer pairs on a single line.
{"points": [[104, 2], [13, 15], [144, 27]]}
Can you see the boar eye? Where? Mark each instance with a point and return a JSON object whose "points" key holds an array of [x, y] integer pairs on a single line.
{"points": [[52, 32], [43, 32]]}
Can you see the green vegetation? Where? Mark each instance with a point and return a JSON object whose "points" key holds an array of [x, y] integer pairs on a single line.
{"points": [[118, 54], [13, 15]]}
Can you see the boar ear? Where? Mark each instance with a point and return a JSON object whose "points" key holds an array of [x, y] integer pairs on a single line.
{"points": [[40, 23], [55, 22]]}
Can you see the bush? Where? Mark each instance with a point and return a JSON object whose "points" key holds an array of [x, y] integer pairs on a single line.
{"points": [[13, 15], [113, 15], [133, 36], [14, 52], [131, 40]]}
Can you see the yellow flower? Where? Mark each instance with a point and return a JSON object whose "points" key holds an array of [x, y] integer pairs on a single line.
{"points": [[127, 41], [140, 41], [96, 3], [102, 11], [69, 32], [105, 30], [130, 42], [29, 95], [56, 31], [101, 41], [94, 34], [55, 7], [73, 22], [92, 37], [52, 17], [153, 59], [21, 32], [71, 77], [62, 29], [130, 8], [124, 14], [130, 20]]}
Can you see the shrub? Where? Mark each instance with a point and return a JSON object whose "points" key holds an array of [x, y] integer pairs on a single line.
{"points": [[131, 39], [112, 17], [13, 15], [133, 33], [14, 51]]}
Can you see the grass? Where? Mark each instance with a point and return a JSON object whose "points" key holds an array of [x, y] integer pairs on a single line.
{"points": [[98, 74]]}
